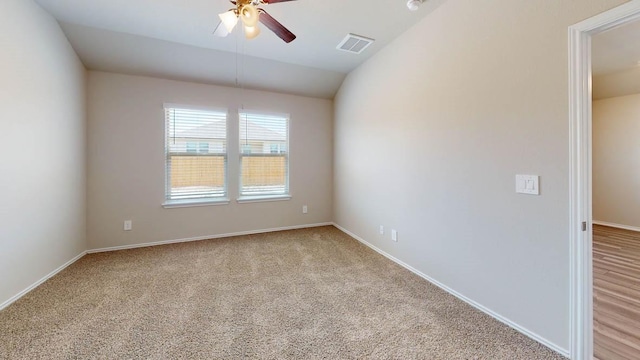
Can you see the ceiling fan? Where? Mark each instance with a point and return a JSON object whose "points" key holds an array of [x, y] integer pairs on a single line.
{"points": [[250, 14]]}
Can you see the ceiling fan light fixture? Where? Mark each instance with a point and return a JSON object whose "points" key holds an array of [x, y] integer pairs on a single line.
{"points": [[413, 5], [249, 15], [229, 19], [251, 32]]}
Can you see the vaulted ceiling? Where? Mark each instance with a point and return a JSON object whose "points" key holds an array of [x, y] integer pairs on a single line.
{"points": [[173, 39]]}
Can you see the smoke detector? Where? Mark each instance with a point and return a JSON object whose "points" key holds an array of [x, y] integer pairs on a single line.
{"points": [[413, 5]]}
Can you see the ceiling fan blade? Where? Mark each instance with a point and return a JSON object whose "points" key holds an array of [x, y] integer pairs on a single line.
{"points": [[274, 1], [221, 30], [277, 28]]}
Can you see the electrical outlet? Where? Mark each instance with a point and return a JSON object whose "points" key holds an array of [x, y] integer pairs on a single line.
{"points": [[305, 209], [128, 225], [381, 230], [394, 235]]}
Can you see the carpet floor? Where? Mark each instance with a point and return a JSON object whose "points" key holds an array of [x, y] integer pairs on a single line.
{"points": [[302, 294]]}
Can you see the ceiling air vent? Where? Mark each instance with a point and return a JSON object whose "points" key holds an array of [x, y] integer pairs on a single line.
{"points": [[354, 43]]}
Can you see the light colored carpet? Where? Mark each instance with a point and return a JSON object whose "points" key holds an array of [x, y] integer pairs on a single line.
{"points": [[302, 294]]}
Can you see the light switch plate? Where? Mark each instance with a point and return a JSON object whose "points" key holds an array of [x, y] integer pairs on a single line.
{"points": [[528, 184]]}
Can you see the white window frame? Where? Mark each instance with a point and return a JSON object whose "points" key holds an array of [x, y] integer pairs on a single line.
{"points": [[243, 198], [192, 202]]}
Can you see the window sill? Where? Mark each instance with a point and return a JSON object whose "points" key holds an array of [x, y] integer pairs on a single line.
{"points": [[263, 198], [172, 204]]}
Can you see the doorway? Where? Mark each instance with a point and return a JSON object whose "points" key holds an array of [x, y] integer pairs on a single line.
{"points": [[581, 181], [616, 206]]}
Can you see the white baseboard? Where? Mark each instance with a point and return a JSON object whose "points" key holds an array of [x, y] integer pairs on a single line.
{"points": [[53, 273], [500, 318], [619, 226], [39, 282], [487, 311], [206, 237]]}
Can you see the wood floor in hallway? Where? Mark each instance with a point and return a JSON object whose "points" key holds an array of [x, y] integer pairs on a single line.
{"points": [[616, 288]]}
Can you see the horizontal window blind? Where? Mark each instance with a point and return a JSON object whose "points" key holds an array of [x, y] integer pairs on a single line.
{"points": [[196, 153], [264, 154]]}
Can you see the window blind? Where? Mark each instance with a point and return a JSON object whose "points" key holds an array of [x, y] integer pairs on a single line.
{"points": [[264, 154], [196, 153]]}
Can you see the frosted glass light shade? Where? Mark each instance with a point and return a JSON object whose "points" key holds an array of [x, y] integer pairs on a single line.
{"points": [[229, 19], [413, 5], [251, 32], [249, 15]]}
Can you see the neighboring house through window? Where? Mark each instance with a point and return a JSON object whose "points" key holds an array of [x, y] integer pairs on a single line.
{"points": [[199, 147], [275, 148]]}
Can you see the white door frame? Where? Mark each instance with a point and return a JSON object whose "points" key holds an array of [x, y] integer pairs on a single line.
{"points": [[581, 270]]}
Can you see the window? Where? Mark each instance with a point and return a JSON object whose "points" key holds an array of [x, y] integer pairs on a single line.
{"points": [[277, 148], [191, 147], [264, 158], [196, 155], [203, 148]]}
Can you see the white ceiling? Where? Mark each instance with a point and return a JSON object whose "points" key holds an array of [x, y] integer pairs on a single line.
{"points": [[173, 39]]}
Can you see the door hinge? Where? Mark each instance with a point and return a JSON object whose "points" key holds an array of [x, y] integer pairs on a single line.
{"points": [[584, 226]]}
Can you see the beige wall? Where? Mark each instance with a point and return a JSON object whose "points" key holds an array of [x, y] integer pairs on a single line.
{"points": [[616, 160], [42, 97], [429, 135], [126, 162], [617, 84]]}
